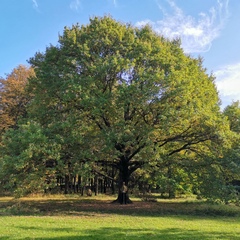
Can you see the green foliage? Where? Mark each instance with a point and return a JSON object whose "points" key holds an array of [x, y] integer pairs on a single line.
{"points": [[230, 158], [233, 113], [24, 156]]}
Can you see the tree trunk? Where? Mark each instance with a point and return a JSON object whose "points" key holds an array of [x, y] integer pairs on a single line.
{"points": [[112, 182], [171, 189], [74, 184], [66, 189], [96, 185], [120, 199], [123, 178]]}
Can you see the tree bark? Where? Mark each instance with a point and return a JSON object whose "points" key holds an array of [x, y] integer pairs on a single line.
{"points": [[120, 199], [124, 175], [66, 188]]}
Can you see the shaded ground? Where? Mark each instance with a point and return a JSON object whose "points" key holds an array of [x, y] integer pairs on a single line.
{"points": [[90, 207]]}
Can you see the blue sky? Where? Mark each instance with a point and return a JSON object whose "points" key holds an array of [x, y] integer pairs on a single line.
{"points": [[208, 28]]}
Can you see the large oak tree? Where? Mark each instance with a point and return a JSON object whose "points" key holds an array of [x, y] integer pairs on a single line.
{"points": [[122, 96]]}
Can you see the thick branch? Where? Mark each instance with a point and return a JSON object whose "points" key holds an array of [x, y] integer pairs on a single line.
{"points": [[103, 175], [136, 151]]}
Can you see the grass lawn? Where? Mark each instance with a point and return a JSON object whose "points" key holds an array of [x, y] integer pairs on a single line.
{"points": [[97, 218]]}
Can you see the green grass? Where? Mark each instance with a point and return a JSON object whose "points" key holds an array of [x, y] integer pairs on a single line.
{"points": [[96, 218]]}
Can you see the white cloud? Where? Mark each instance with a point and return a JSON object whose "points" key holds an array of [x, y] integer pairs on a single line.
{"points": [[35, 4], [115, 3], [196, 33], [75, 5], [228, 83]]}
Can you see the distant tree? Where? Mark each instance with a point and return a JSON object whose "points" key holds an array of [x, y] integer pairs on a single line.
{"points": [[231, 157], [24, 160], [218, 168], [233, 114], [13, 102], [13, 96]]}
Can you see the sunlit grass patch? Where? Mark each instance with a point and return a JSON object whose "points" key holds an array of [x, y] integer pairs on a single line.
{"points": [[119, 227], [73, 217]]}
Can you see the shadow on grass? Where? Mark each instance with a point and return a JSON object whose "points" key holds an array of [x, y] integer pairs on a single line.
{"points": [[131, 233], [94, 207]]}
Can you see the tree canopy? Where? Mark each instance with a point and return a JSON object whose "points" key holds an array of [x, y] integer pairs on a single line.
{"points": [[13, 96]]}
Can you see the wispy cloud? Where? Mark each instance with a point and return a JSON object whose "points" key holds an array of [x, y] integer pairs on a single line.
{"points": [[75, 5], [115, 3], [35, 4], [228, 82], [196, 33]]}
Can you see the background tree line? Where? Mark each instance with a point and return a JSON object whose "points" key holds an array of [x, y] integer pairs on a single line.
{"points": [[112, 103]]}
